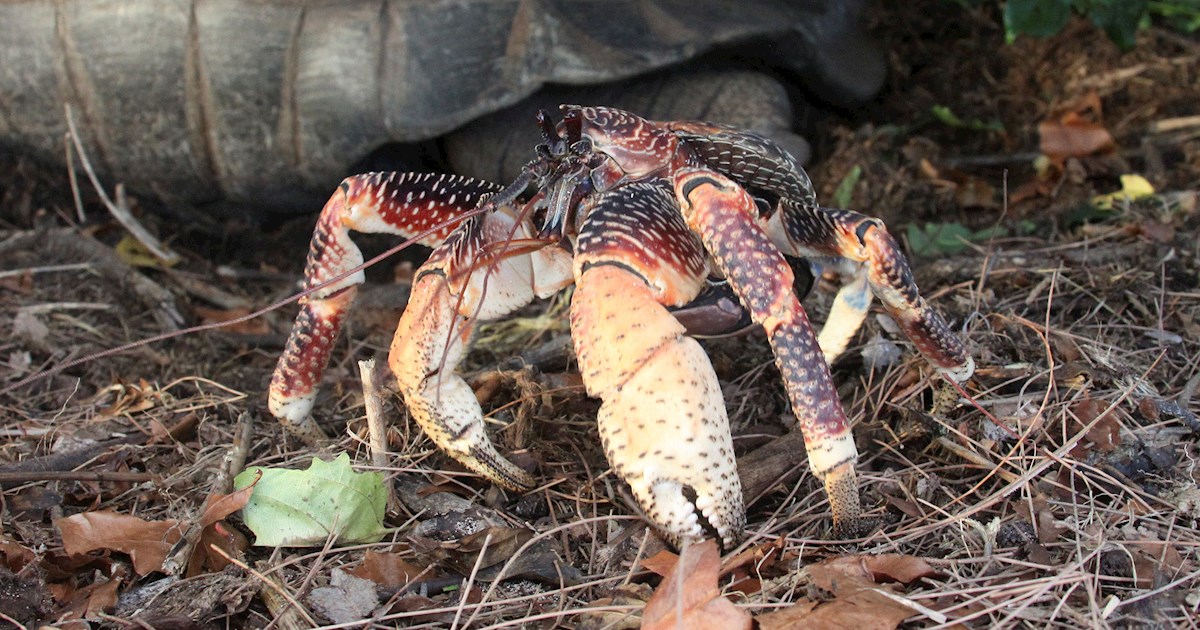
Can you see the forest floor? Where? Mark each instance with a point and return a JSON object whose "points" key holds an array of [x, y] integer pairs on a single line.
{"points": [[1058, 487]]}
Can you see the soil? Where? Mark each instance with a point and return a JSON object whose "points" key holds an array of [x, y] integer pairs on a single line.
{"points": [[1058, 487]]}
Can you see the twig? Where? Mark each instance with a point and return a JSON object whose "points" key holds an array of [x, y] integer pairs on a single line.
{"points": [[45, 269], [119, 210], [1168, 125], [374, 408], [466, 590], [936, 616], [13, 478], [236, 457], [976, 458], [74, 179], [376, 424]]}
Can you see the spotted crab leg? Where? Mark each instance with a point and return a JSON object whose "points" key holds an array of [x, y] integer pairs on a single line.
{"points": [[864, 245], [724, 216], [858, 245], [470, 277], [406, 204], [663, 422], [760, 165]]}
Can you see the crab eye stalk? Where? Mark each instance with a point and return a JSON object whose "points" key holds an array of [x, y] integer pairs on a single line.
{"points": [[549, 133], [573, 124]]}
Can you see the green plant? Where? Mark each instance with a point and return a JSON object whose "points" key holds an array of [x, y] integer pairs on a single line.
{"points": [[1120, 19]]}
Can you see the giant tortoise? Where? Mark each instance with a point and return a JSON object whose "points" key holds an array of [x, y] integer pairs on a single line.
{"points": [[271, 102]]}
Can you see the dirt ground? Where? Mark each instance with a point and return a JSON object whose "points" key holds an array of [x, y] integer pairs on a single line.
{"points": [[1058, 487]]}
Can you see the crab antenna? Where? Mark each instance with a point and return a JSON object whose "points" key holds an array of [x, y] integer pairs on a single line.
{"points": [[549, 133]]}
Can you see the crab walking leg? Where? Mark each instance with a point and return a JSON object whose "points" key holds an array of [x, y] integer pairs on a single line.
{"points": [[406, 204], [464, 281], [723, 214], [663, 422], [812, 231], [760, 164]]}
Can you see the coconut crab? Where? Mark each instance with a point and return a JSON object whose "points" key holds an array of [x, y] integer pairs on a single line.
{"points": [[636, 214]]}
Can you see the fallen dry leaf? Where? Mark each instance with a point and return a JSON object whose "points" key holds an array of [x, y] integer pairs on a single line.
{"points": [[1072, 136], [661, 563], [388, 569], [688, 598], [632, 595], [795, 616], [218, 506], [218, 543], [836, 574], [212, 542], [1104, 436], [257, 326], [860, 603], [347, 599], [864, 610], [146, 542]]}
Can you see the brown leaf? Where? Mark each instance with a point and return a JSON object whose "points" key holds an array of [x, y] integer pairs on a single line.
{"points": [[388, 569], [762, 556], [1073, 136], [497, 544], [846, 574], [146, 542], [14, 555], [689, 597], [661, 563], [1104, 436], [864, 610], [629, 595], [860, 604], [218, 506], [88, 602], [206, 558], [795, 616], [256, 326], [894, 567]]}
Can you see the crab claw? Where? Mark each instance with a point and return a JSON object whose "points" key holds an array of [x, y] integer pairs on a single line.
{"points": [[663, 422], [432, 334], [457, 287]]}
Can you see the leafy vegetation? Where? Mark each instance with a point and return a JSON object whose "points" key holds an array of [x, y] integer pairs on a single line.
{"points": [[1120, 19]]}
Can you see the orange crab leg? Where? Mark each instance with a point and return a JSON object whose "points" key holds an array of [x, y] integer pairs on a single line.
{"points": [[724, 216], [865, 243], [663, 422], [395, 203], [452, 291]]}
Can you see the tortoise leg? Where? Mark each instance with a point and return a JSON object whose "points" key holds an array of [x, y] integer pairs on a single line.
{"points": [[663, 422], [724, 216], [878, 263], [467, 279], [394, 203]]}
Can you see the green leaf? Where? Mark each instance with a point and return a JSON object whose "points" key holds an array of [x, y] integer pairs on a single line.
{"points": [[845, 189], [949, 118], [1181, 15], [934, 239], [1039, 18], [303, 508], [1120, 19]]}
